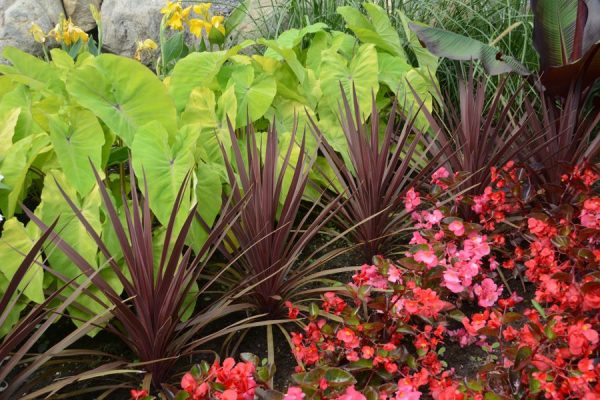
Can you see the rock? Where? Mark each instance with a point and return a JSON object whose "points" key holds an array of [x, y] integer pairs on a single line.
{"points": [[79, 12], [127, 21], [16, 17]]}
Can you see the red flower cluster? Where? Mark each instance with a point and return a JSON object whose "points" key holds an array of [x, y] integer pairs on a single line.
{"points": [[230, 381]]}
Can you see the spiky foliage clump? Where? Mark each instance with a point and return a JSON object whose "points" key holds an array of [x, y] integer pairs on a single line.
{"points": [[267, 240], [159, 286], [382, 168]]}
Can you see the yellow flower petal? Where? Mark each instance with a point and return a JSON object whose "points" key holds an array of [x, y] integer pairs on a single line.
{"points": [[217, 23], [196, 26], [186, 12], [149, 44], [175, 22], [38, 33], [202, 9], [171, 7]]}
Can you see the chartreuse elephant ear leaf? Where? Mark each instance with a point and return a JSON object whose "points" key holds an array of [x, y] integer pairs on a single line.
{"points": [[198, 70], [376, 28], [9, 120], [77, 140], [165, 165], [362, 72], [208, 190], [451, 45], [15, 243], [254, 93], [15, 166], [124, 94]]}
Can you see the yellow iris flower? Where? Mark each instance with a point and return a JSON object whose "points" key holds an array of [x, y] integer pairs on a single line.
{"points": [[68, 33]]}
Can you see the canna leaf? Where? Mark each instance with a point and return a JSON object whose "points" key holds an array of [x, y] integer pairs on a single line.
{"points": [[443, 43]]}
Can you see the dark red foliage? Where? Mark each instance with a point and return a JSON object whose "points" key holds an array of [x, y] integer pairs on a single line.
{"points": [[383, 168], [148, 321], [270, 235]]}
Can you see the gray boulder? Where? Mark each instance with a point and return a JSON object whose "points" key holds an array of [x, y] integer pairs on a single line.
{"points": [[127, 21], [16, 17], [79, 12]]}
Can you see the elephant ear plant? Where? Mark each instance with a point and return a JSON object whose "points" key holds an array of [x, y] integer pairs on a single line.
{"points": [[159, 278]]}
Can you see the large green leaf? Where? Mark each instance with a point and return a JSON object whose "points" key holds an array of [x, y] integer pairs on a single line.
{"points": [[124, 94], [443, 43], [54, 206], [15, 243], [362, 72], [254, 94], [208, 196], [198, 70], [195, 70], [376, 29], [164, 165], [77, 141], [30, 70], [209, 117], [14, 312], [425, 58], [8, 122], [72, 231], [392, 70], [15, 167], [555, 23], [21, 97]]}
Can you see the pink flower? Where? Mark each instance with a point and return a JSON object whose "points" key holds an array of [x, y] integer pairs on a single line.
{"points": [[417, 238], [138, 394], [406, 391], [434, 217], [441, 173], [294, 393], [352, 356], [229, 394], [412, 200], [352, 394], [475, 247], [427, 257], [460, 275], [457, 227], [590, 215], [488, 292], [394, 274]]}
